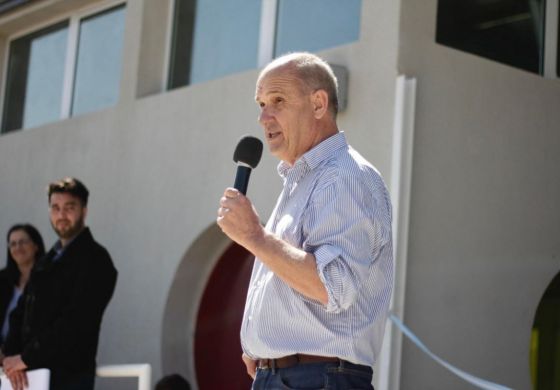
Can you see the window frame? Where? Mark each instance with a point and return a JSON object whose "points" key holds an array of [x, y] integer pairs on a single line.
{"points": [[74, 18], [169, 44], [549, 54], [551, 51]]}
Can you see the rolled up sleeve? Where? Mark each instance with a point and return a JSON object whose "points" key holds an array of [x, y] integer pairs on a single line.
{"points": [[346, 227]]}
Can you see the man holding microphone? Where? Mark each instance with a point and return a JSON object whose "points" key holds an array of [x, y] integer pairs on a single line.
{"points": [[321, 284]]}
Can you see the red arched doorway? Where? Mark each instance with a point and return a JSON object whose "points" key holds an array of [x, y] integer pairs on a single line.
{"points": [[217, 349]]}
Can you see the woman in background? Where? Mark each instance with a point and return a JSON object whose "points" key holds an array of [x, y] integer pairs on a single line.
{"points": [[25, 247]]}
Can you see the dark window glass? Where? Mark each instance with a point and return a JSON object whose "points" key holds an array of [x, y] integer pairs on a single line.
{"points": [[34, 80], [181, 43], [313, 25], [507, 31]]}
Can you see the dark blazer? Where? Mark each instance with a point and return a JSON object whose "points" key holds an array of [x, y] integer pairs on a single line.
{"points": [[6, 294], [57, 321]]}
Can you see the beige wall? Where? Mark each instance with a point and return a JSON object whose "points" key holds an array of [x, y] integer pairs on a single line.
{"points": [[485, 216]]}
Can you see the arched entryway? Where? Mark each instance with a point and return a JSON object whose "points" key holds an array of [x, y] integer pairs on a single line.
{"points": [[202, 317]]}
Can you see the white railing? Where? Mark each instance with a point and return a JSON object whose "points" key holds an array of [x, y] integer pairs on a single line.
{"points": [[142, 371]]}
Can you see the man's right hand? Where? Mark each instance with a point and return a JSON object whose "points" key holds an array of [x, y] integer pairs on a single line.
{"points": [[239, 220], [14, 368], [251, 365]]}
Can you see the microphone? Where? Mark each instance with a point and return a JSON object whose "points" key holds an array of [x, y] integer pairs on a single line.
{"points": [[247, 155]]}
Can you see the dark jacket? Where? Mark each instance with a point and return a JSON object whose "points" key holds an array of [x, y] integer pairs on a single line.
{"points": [[6, 294], [56, 323]]}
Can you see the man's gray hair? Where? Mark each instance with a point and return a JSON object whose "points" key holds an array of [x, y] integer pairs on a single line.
{"points": [[313, 71]]}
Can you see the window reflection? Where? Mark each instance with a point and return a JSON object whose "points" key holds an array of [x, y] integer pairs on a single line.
{"points": [[214, 38], [98, 63], [223, 34], [226, 36], [313, 25]]}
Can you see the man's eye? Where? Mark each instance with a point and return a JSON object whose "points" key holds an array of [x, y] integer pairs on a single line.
{"points": [[278, 100]]}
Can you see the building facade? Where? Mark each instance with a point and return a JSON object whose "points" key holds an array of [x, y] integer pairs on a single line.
{"points": [[144, 100]]}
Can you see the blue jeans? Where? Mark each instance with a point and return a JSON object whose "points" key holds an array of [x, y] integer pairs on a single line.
{"points": [[315, 376]]}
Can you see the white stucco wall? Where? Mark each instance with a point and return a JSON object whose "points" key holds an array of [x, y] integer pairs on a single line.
{"points": [[485, 217]]}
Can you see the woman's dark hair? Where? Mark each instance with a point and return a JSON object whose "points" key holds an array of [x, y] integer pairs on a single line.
{"points": [[11, 266]]}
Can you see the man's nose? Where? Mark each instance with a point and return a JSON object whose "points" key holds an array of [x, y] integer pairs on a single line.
{"points": [[264, 116], [60, 213]]}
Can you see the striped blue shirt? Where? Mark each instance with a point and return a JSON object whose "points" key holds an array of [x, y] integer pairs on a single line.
{"points": [[335, 205]]}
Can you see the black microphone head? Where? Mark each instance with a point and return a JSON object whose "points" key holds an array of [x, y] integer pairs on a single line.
{"points": [[248, 151]]}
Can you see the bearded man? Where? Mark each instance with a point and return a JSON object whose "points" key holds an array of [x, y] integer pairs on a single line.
{"points": [[57, 321]]}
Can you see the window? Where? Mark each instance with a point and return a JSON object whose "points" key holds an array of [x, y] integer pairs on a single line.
{"points": [[98, 61], [507, 31], [314, 25], [68, 68], [35, 78], [214, 38]]}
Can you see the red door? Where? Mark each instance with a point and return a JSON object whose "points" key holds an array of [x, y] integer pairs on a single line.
{"points": [[217, 347]]}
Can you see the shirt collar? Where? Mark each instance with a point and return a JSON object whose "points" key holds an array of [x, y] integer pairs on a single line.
{"points": [[314, 157], [59, 249]]}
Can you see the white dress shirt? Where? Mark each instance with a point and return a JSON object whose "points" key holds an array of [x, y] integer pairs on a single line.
{"points": [[335, 205]]}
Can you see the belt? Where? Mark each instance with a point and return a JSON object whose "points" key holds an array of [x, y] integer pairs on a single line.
{"points": [[292, 360]]}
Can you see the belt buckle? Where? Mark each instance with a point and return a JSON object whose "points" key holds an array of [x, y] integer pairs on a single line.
{"points": [[267, 364]]}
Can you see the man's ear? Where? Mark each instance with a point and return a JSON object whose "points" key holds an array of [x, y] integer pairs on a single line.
{"points": [[320, 100]]}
